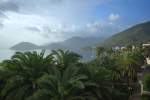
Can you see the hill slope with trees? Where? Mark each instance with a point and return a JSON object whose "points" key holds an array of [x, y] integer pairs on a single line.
{"points": [[137, 34]]}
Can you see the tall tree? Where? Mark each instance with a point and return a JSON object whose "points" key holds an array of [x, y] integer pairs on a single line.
{"points": [[22, 72], [100, 51], [130, 63], [64, 58], [60, 86]]}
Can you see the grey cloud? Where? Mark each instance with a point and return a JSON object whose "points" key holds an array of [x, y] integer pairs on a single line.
{"points": [[103, 29], [60, 34], [1, 25], [46, 32], [34, 29], [8, 6], [2, 15]]}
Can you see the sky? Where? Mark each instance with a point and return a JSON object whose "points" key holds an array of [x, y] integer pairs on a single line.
{"points": [[47, 21]]}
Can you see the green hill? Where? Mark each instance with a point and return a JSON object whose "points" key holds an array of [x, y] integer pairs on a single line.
{"points": [[137, 34]]}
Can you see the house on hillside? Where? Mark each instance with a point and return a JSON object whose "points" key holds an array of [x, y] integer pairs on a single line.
{"points": [[146, 45], [148, 61], [116, 48], [123, 47]]}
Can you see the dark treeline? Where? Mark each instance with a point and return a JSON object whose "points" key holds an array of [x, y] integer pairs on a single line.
{"points": [[62, 75]]}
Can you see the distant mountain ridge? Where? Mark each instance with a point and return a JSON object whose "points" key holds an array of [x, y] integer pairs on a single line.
{"points": [[137, 34], [71, 43], [23, 46], [76, 44]]}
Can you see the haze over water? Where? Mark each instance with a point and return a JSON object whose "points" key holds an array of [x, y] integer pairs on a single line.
{"points": [[5, 54]]}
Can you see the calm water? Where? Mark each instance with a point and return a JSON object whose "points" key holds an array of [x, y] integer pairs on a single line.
{"points": [[7, 53]]}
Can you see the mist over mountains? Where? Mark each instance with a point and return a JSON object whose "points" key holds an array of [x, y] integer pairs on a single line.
{"points": [[137, 34], [73, 43], [76, 44]]}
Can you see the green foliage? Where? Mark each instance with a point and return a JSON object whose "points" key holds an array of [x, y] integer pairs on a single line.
{"points": [[146, 51], [100, 51], [146, 82], [21, 73], [61, 87], [62, 76], [63, 58]]}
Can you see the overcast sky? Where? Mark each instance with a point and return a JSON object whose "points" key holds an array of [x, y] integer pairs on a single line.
{"points": [[43, 21]]}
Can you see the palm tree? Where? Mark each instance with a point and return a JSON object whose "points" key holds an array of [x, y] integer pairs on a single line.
{"points": [[61, 86], [22, 72], [1, 81], [64, 58], [100, 51], [74, 82], [61, 76], [98, 86], [129, 47], [146, 51], [130, 63]]}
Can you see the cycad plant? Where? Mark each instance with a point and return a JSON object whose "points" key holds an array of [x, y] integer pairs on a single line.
{"points": [[60, 86], [65, 58], [21, 73]]}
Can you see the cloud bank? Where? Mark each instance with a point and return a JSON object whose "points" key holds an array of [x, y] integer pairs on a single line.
{"points": [[42, 21]]}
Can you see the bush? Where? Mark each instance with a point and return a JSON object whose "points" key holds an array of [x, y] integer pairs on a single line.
{"points": [[146, 83]]}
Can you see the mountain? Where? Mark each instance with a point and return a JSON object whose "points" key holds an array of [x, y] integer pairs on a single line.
{"points": [[137, 34], [75, 43], [24, 46], [79, 45]]}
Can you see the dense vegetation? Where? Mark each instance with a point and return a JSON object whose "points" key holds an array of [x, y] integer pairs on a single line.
{"points": [[146, 82], [136, 34], [62, 75]]}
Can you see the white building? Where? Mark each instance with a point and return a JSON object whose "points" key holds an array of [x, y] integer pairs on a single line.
{"points": [[146, 45], [148, 61]]}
